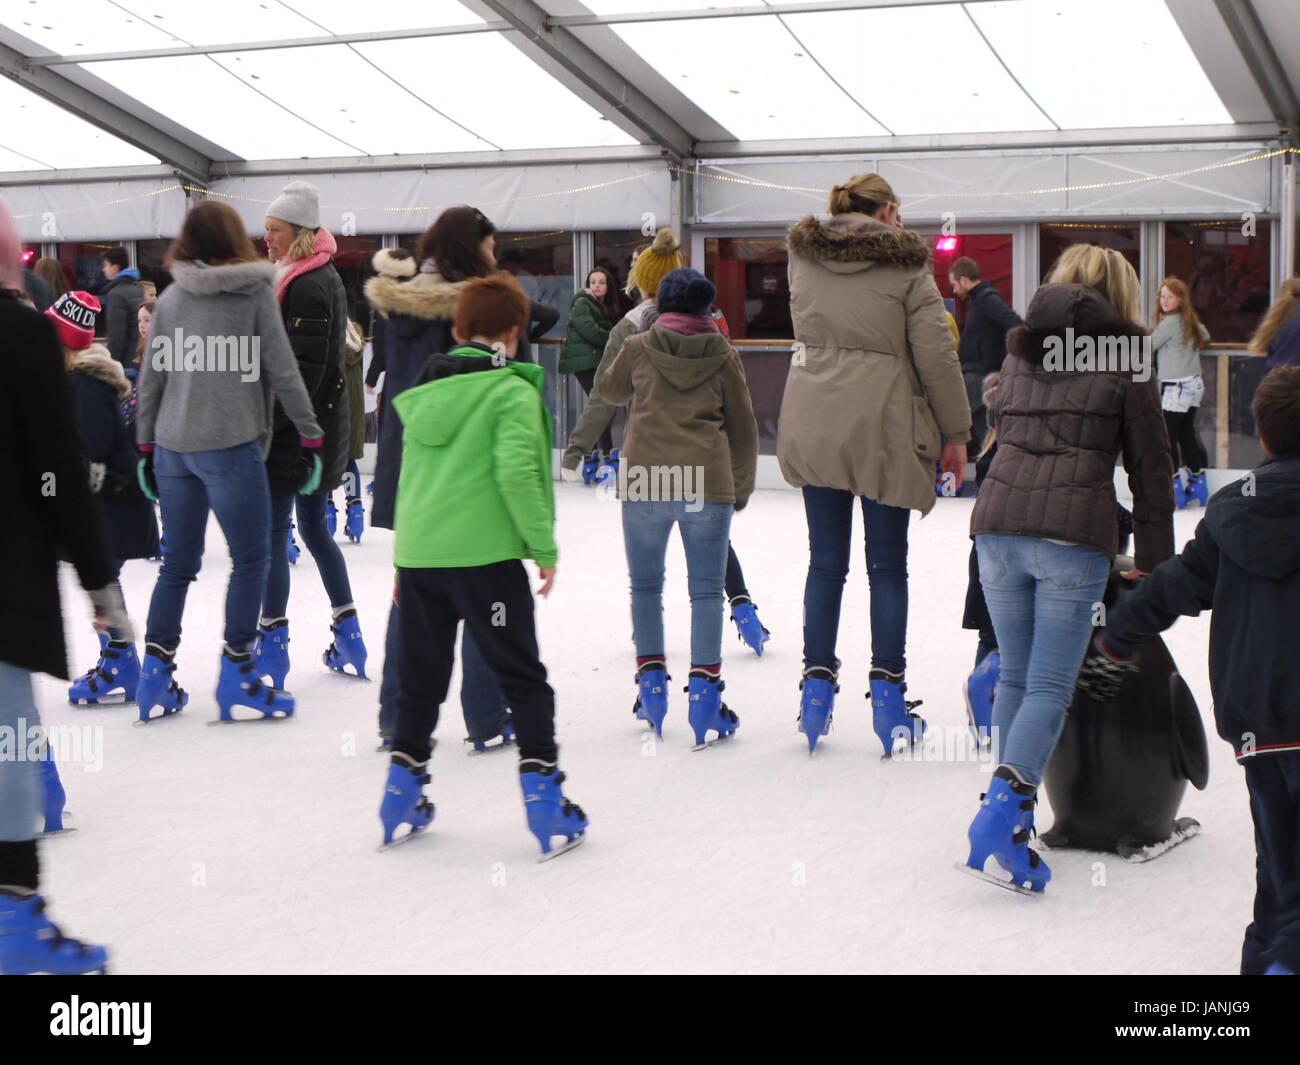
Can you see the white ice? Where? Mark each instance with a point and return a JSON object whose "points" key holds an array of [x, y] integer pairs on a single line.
{"points": [[251, 849]]}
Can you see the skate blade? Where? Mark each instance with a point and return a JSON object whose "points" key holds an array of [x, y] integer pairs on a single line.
{"points": [[52, 833], [555, 852], [490, 747], [991, 879], [152, 720], [111, 703], [401, 839], [252, 720], [710, 743]]}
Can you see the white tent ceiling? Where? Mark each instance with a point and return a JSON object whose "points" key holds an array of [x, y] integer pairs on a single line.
{"points": [[220, 88]]}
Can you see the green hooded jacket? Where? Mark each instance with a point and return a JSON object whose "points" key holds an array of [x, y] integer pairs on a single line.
{"points": [[476, 485], [585, 336]]}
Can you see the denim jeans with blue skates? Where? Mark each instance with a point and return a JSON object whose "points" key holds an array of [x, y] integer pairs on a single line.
{"points": [[1042, 597]]}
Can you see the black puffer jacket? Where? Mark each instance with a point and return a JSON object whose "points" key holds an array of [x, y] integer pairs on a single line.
{"points": [[1244, 564], [1060, 431], [315, 309], [983, 343], [48, 506]]}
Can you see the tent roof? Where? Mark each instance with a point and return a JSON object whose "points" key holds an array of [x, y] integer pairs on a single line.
{"points": [[269, 85]]}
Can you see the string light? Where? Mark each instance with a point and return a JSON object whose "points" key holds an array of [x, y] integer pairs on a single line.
{"points": [[710, 175]]}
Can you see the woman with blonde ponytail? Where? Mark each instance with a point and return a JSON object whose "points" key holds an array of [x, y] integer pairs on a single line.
{"points": [[874, 398]]}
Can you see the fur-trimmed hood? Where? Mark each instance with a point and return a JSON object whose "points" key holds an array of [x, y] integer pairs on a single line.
{"points": [[848, 243], [204, 280], [96, 362], [423, 296], [1058, 307], [394, 262]]}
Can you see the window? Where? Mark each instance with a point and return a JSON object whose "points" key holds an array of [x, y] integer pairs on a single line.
{"points": [[1227, 271], [149, 258], [1054, 239], [81, 262], [352, 261], [614, 250], [753, 289], [992, 253]]}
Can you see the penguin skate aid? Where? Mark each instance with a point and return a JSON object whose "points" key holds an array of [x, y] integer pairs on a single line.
{"points": [[469, 565]]}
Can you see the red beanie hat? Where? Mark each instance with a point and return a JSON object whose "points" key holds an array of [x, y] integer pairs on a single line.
{"points": [[73, 315]]}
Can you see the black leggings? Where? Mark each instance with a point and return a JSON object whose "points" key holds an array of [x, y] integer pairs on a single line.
{"points": [[1184, 441], [587, 379]]}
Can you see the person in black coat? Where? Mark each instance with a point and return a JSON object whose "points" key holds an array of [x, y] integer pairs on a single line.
{"points": [[98, 386], [314, 304], [48, 511], [121, 296], [983, 344]]}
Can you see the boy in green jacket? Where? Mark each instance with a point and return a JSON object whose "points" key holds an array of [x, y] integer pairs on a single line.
{"points": [[475, 498]]}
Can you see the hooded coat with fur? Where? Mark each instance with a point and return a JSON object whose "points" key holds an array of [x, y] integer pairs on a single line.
{"points": [[876, 380], [1060, 432], [99, 385], [413, 322]]}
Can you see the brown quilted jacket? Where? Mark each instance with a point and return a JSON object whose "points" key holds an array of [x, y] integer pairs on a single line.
{"points": [[1060, 432]]}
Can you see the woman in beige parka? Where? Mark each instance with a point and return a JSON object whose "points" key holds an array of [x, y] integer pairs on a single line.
{"points": [[873, 399]]}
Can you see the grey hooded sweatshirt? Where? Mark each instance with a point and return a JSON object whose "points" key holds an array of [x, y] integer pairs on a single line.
{"points": [[216, 359]]}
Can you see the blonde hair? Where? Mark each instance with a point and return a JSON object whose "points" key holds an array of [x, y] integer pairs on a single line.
{"points": [[863, 194], [304, 243], [1288, 298], [1107, 271]]}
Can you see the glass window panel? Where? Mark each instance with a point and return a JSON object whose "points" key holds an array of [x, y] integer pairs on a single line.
{"points": [[1226, 271], [1102, 63], [37, 134], [352, 261], [1125, 238], [993, 254], [775, 91], [514, 103], [149, 258], [908, 86], [614, 249], [753, 292]]}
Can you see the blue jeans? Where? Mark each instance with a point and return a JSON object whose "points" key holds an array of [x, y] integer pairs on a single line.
{"points": [[20, 785], [705, 536], [481, 700], [1042, 598], [830, 530], [232, 482], [329, 559]]}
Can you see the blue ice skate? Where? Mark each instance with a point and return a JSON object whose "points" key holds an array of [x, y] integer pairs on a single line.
{"points": [[1197, 489], [891, 714], [490, 743], [118, 668], [1180, 492], [272, 651], [608, 471], [239, 685], [293, 550], [750, 629], [706, 711], [348, 648], [331, 517], [355, 523], [980, 688], [53, 797], [590, 464], [157, 686], [817, 703], [404, 801], [652, 695], [30, 943], [549, 813], [1002, 828]]}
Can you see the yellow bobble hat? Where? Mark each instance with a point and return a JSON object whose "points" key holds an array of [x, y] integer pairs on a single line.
{"points": [[653, 264]]}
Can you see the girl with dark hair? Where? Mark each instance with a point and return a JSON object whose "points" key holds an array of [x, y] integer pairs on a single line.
{"points": [[204, 432], [591, 317], [413, 323]]}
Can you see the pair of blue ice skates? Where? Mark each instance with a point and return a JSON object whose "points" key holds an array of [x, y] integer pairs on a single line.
{"points": [[601, 469], [892, 716], [31, 944], [348, 648], [354, 523], [706, 712], [1002, 829], [550, 814]]}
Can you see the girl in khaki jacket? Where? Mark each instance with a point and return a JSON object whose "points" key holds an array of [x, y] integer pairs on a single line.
{"points": [[690, 452], [874, 397]]}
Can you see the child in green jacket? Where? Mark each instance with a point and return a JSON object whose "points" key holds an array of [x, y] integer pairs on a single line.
{"points": [[475, 498]]}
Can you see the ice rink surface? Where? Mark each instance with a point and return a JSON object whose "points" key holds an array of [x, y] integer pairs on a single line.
{"points": [[251, 849]]}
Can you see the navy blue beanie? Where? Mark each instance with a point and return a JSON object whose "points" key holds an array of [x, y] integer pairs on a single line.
{"points": [[686, 291]]}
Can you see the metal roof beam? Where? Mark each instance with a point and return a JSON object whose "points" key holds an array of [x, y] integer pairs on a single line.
{"points": [[584, 72], [54, 87], [1252, 42]]}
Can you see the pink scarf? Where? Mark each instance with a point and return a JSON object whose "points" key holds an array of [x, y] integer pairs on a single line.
{"points": [[687, 324], [322, 251]]}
